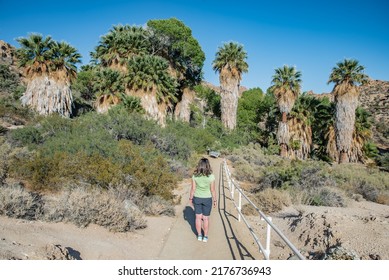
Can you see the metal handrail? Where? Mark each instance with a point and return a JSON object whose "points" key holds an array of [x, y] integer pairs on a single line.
{"points": [[232, 185]]}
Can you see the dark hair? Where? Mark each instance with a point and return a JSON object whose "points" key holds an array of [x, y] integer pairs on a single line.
{"points": [[203, 168]]}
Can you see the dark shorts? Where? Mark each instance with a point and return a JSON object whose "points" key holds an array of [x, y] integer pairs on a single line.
{"points": [[202, 205]]}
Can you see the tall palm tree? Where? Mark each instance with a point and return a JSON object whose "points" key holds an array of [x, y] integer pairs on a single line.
{"points": [[50, 69], [347, 75], [230, 62], [286, 88], [148, 78]]}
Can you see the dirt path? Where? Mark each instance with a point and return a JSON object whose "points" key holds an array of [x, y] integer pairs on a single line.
{"points": [[224, 242]]}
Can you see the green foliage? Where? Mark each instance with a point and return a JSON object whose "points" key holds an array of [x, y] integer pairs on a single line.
{"points": [[370, 149], [43, 55], [26, 136], [131, 103], [231, 56], [9, 81], [150, 73], [212, 99], [108, 82], [286, 80], [324, 117], [83, 85], [348, 71], [181, 48], [383, 161], [120, 43], [248, 116]]}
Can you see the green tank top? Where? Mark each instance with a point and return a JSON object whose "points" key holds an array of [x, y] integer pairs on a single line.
{"points": [[203, 185]]}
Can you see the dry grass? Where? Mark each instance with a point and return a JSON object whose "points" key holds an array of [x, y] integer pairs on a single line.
{"points": [[85, 206], [16, 202], [269, 201]]}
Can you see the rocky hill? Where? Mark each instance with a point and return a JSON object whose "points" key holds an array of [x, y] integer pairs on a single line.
{"points": [[6, 53], [374, 97]]}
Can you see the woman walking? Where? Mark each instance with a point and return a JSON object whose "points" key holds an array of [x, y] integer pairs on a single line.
{"points": [[202, 196]]}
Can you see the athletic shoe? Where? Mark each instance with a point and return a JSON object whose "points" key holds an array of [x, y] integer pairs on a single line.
{"points": [[205, 239], [200, 238]]}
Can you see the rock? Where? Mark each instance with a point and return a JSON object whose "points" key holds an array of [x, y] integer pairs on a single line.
{"points": [[340, 253], [57, 252], [6, 53]]}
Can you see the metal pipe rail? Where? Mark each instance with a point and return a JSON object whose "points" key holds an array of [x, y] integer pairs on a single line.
{"points": [[232, 185]]}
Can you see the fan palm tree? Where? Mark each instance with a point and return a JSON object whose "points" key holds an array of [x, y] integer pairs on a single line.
{"points": [[286, 88], [230, 62], [300, 126], [120, 44], [148, 78], [108, 86], [50, 69], [346, 76]]}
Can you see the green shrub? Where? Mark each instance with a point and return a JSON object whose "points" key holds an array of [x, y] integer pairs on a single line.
{"points": [[383, 161], [26, 136]]}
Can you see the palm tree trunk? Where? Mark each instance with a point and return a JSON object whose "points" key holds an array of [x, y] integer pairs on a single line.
{"points": [[47, 95], [283, 135], [229, 100], [182, 111], [346, 105], [150, 104]]}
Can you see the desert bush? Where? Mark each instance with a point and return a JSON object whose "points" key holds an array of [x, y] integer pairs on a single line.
{"points": [[156, 206], [16, 202], [5, 150], [142, 168], [383, 161], [149, 170], [52, 172], [368, 191], [371, 183], [26, 136], [328, 197], [83, 206], [272, 200]]}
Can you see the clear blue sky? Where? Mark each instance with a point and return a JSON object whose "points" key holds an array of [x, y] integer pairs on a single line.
{"points": [[311, 35]]}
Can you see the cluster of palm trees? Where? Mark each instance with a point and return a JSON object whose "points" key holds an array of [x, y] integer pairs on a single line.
{"points": [[155, 67], [344, 144]]}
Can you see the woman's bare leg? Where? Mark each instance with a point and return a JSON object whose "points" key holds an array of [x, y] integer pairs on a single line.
{"points": [[205, 225], [198, 222]]}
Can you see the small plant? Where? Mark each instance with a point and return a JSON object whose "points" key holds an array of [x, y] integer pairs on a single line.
{"points": [[83, 206], [16, 202]]}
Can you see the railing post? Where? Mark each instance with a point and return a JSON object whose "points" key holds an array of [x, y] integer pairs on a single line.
{"points": [[240, 206], [268, 231]]}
